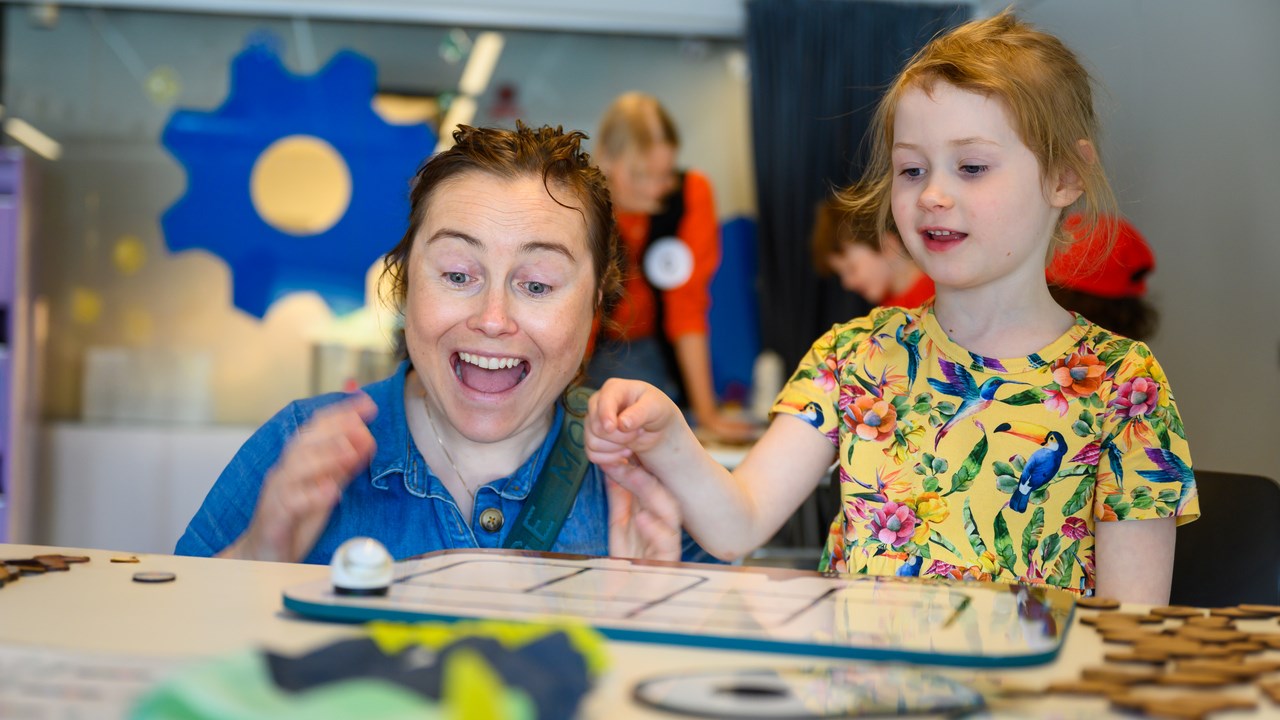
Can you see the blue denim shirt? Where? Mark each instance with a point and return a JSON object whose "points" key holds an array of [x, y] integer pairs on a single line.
{"points": [[398, 499]]}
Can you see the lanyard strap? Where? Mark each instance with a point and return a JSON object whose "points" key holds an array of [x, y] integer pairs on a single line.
{"points": [[544, 512]]}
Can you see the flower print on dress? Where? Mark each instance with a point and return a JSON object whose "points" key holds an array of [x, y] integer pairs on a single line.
{"points": [[1080, 374], [893, 524], [929, 508], [871, 418], [1137, 397], [906, 442], [1075, 528]]}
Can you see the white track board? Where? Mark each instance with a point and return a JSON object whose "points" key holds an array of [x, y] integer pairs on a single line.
{"points": [[745, 608]]}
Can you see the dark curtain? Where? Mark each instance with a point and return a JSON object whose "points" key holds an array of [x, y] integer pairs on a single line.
{"points": [[818, 67]]}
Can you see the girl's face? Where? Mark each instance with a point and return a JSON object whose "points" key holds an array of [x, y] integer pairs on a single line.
{"points": [[864, 271], [500, 302], [969, 198]]}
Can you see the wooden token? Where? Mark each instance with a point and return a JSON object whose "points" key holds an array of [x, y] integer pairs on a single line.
{"points": [[1177, 611], [4, 575], [1223, 667], [29, 566], [1085, 687], [75, 559], [1195, 679], [1171, 646], [125, 559], [1212, 635], [1119, 617], [1119, 675], [1231, 612], [1245, 646], [53, 562], [1173, 705], [1097, 603], [1271, 688], [1126, 636], [1270, 640], [1210, 621], [1150, 657], [1263, 610]]}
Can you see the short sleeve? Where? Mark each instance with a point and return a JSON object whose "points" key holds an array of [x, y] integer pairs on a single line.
{"points": [[1144, 463], [812, 394]]}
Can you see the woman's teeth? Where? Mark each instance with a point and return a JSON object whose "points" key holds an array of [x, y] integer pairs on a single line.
{"points": [[489, 363]]}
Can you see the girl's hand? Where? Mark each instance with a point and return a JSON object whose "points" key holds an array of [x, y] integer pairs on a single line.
{"points": [[626, 418], [303, 487], [644, 518]]}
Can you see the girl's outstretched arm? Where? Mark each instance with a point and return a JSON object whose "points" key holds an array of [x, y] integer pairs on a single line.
{"points": [[1135, 560], [729, 514]]}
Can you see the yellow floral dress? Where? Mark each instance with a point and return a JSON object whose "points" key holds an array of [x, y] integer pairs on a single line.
{"points": [[957, 465]]}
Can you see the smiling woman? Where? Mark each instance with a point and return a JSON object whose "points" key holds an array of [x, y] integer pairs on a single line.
{"points": [[509, 256]]}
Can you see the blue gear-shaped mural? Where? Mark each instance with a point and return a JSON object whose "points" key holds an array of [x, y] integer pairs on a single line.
{"points": [[219, 148]]}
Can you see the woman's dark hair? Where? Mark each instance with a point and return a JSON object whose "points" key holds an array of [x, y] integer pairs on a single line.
{"points": [[548, 153]]}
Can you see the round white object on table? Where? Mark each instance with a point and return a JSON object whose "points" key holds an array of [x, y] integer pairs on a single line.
{"points": [[362, 566]]}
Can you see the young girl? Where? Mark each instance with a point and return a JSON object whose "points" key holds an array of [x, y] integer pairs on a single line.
{"points": [[990, 434]]}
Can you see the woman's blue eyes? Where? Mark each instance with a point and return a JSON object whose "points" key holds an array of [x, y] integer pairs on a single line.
{"points": [[533, 287], [973, 169]]}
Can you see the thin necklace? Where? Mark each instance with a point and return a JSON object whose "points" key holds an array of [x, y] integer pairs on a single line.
{"points": [[445, 450]]}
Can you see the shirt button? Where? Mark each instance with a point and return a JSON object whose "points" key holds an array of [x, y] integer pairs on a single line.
{"points": [[491, 520]]}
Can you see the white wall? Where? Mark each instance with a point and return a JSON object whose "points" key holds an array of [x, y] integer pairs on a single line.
{"points": [[1192, 113]]}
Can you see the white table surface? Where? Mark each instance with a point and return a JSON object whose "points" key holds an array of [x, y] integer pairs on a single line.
{"points": [[219, 606]]}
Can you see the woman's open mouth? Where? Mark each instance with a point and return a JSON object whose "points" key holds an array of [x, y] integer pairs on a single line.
{"points": [[489, 373]]}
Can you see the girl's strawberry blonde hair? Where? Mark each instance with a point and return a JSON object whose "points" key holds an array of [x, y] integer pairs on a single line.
{"points": [[1045, 89]]}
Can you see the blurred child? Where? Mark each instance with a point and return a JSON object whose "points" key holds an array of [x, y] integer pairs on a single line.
{"points": [[990, 434], [872, 264]]}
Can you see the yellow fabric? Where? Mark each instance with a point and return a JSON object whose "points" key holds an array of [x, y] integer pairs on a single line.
{"points": [[957, 465], [393, 637]]}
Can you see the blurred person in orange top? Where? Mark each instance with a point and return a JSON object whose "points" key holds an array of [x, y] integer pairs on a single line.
{"points": [[1104, 277], [872, 264], [671, 241]]}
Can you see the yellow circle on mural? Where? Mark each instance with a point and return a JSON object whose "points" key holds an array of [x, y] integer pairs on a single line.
{"points": [[129, 255], [86, 305], [300, 185]]}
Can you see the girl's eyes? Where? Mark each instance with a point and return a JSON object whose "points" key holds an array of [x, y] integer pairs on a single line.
{"points": [[457, 278], [973, 169], [913, 172]]}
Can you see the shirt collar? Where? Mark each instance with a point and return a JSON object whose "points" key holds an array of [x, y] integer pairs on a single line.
{"points": [[395, 451]]}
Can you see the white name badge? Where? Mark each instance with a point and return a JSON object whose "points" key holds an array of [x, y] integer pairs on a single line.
{"points": [[668, 263]]}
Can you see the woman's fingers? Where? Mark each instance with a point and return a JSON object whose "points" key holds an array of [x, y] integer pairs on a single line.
{"points": [[644, 518], [301, 490]]}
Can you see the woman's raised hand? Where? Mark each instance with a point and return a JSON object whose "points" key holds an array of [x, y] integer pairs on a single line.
{"points": [[303, 487]]}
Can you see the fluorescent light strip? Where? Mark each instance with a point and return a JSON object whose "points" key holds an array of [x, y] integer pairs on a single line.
{"points": [[480, 65], [461, 112], [33, 139]]}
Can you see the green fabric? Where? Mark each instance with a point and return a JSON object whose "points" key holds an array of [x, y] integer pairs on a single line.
{"points": [[239, 687], [553, 495]]}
